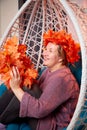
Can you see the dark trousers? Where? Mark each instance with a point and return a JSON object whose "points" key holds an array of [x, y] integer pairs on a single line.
{"points": [[10, 106]]}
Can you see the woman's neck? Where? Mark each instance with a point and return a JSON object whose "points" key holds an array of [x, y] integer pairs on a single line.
{"points": [[56, 67]]}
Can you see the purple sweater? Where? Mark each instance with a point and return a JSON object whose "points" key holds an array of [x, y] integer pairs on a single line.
{"points": [[56, 106]]}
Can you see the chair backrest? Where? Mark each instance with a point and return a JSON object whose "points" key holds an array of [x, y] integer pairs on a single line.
{"points": [[37, 16]]}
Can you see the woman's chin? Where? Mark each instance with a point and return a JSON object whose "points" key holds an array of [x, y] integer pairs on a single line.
{"points": [[44, 63]]}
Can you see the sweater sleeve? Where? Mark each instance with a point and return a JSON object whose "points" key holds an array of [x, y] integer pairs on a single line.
{"points": [[56, 93]]}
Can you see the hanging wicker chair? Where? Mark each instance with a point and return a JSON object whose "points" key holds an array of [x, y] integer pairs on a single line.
{"points": [[37, 16]]}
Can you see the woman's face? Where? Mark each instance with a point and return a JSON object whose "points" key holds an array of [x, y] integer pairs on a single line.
{"points": [[50, 55]]}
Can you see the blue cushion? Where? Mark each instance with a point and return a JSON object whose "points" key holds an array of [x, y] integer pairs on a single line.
{"points": [[22, 126], [64, 128], [2, 89]]}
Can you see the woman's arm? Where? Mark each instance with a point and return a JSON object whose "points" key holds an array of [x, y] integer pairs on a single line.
{"points": [[57, 91]]}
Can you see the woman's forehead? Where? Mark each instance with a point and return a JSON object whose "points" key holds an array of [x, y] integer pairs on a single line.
{"points": [[52, 45]]}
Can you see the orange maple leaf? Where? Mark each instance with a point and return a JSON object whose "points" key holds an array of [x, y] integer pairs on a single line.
{"points": [[14, 54]]}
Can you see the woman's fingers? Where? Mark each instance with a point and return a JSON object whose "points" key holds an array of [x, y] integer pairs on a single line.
{"points": [[11, 73], [15, 72], [18, 74], [15, 80]]}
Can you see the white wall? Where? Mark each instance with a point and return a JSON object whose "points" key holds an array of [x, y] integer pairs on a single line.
{"points": [[8, 9]]}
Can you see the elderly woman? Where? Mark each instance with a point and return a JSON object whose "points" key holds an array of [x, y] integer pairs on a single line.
{"points": [[55, 106]]}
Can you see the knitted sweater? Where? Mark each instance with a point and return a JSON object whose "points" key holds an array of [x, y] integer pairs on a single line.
{"points": [[56, 106]]}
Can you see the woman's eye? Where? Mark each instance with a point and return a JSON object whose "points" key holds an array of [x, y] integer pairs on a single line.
{"points": [[44, 48]]}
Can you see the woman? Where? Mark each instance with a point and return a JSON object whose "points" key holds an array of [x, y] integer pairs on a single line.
{"points": [[55, 107]]}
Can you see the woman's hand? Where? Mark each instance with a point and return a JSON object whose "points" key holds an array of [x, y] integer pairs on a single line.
{"points": [[15, 78], [15, 83]]}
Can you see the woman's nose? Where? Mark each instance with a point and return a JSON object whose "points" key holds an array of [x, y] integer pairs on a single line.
{"points": [[45, 52]]}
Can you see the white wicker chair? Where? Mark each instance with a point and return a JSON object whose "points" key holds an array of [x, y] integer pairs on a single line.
{"points": [[37, 16]]}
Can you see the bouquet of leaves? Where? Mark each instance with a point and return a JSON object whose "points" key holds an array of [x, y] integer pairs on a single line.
{"points": [[14, 54]]}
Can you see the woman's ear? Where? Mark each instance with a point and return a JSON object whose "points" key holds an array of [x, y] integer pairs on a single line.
{"points": [[60, 60]]}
